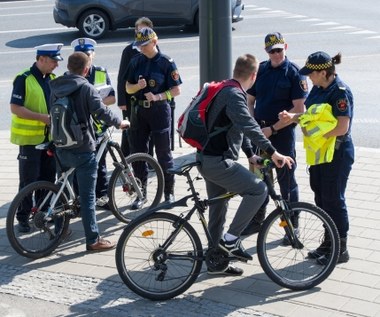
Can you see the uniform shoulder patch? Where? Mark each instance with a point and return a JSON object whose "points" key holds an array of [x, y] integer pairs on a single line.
{"points": [[175, 75], [303, 85], [342, 105]]}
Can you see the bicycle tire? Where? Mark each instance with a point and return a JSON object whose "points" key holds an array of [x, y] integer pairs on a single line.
{"points": [[289, 266], [43, 237], [122, 193], [137, 250]]}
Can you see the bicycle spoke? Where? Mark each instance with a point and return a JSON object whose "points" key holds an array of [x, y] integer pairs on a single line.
{"points": [[152, 271], [31, 205], [290, 266], [144, 175]]}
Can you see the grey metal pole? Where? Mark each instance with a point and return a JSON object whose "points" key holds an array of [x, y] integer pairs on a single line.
{"points": [[215, 32]]}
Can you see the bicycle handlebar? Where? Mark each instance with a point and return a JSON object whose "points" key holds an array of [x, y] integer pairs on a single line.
{"points": [[266, 163]]}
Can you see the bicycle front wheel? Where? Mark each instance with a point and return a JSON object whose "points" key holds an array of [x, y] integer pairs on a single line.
{"points": [[38, 237], [143, 173], [157, 258], [289, 266]]}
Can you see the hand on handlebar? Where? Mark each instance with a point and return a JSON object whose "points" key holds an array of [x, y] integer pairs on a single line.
{"points": [[255, 160], [280, 160]]}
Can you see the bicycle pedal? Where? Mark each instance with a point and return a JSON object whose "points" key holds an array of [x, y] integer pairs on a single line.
{"points": [[235, 258], [239, 259]]}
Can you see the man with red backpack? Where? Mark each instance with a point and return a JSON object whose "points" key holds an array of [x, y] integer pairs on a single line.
{"points": [[219, 166]]}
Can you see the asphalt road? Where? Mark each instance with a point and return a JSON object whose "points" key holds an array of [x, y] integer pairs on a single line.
{"points": [[308, 26]]}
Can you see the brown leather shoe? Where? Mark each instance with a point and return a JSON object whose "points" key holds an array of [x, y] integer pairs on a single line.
{"points": [[101, 245]]}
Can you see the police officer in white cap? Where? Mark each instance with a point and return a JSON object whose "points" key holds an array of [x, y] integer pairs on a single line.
{"points": [[98, 76], [30, 120]]}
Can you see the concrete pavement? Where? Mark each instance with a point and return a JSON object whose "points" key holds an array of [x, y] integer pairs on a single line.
{"points": [[88, 284]]}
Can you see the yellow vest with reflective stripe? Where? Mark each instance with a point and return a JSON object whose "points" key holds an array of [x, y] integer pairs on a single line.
{"points": [[26, 131], [317, 121], [100, 79]]}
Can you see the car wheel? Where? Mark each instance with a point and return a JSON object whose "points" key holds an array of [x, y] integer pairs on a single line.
{"points": [[195, 26], [93, 24]]}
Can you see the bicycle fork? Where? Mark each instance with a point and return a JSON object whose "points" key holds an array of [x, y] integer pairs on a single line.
{"points": [[130, 184], [287, 224]]}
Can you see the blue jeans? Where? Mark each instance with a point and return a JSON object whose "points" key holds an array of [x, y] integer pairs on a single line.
{"points": [[86, 174]]}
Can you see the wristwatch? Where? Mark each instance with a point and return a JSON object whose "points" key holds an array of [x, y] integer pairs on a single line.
{"points": [[274, 131]]}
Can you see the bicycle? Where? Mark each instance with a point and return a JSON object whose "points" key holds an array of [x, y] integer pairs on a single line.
{"points": [[51, 206], [159, 255]]}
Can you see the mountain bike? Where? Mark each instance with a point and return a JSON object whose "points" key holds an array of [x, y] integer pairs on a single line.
{"points": [[51, 206], [159, 255]]}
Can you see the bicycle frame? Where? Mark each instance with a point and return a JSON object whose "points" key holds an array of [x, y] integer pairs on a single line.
{"points": [[150, 244], [201, 205], [105, 142]]}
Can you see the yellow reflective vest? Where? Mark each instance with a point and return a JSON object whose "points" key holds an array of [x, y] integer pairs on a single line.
{"points": [[26, 131], [100, 79], [317, 121]]}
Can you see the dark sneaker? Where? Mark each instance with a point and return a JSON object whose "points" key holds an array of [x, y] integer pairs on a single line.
{"points": [[285, 239], [235, 248], [101, 245], [23, 226], [343, 257], [138, 203], [229, 271]]}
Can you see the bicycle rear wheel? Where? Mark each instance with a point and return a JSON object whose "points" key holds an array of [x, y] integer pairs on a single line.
{"points": [[30, 206], [158, 259], [289, 266], [148, 176]]}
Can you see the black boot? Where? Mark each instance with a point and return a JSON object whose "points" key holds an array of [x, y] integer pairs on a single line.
{"points": [[169, 193], [322, 250], [343, 254], [169, 198], [255, 224], [139, 202]]}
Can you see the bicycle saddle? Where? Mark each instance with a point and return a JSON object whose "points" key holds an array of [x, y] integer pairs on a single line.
{"points": [[180, 170]]}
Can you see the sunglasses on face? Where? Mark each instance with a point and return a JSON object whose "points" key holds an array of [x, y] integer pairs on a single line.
{"points": [[145, 44], [276, 50]]}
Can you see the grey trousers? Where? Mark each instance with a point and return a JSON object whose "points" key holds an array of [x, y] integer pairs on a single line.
{"points": [[225, 175]]}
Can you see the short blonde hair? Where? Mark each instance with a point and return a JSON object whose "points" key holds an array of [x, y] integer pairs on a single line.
{"points": [[245, 66]]}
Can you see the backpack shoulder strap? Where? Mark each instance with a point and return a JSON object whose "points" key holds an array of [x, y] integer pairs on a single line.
{"points": [[225, 83], [79, 110]]}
